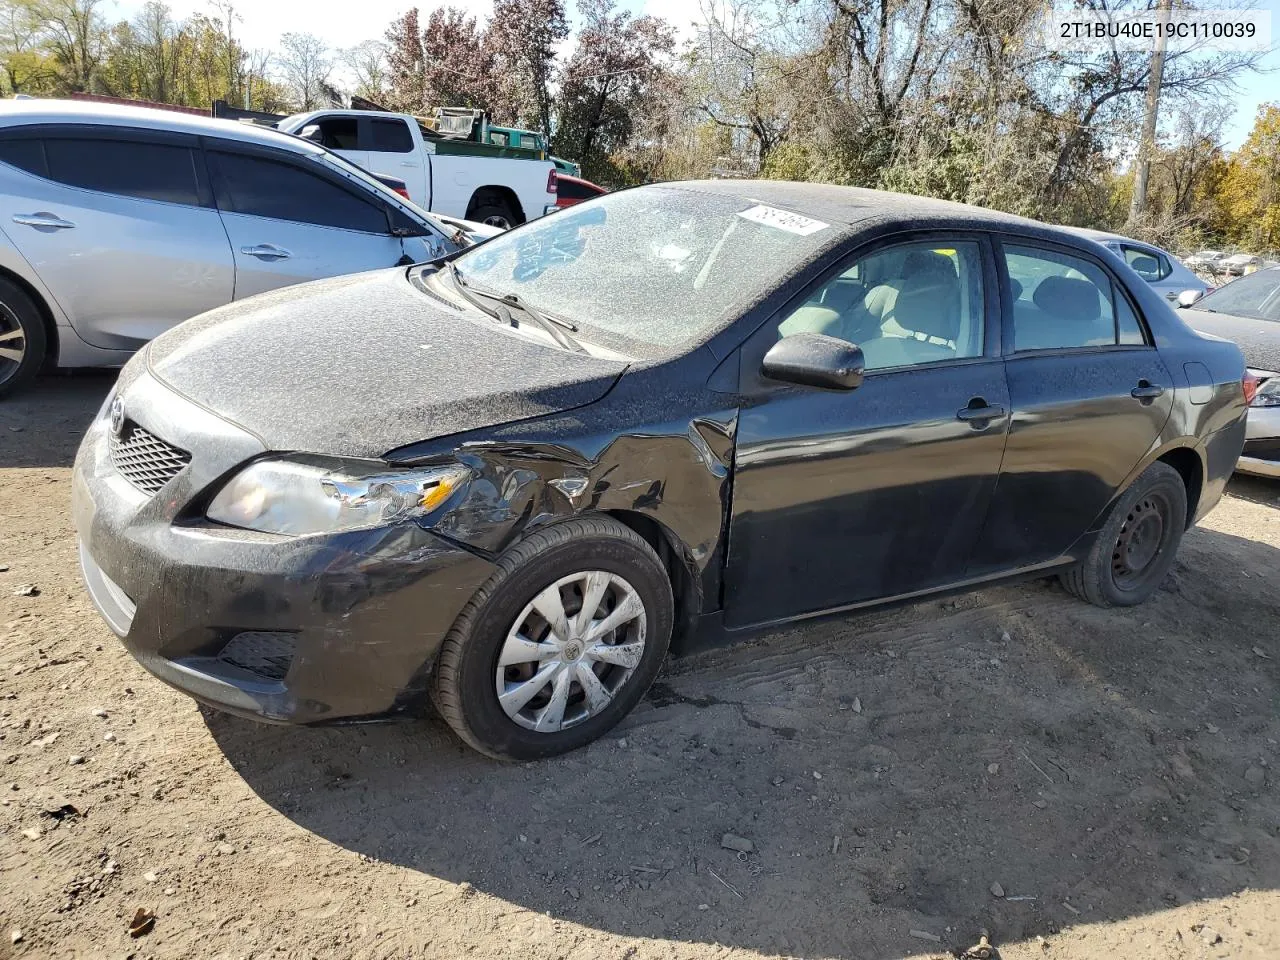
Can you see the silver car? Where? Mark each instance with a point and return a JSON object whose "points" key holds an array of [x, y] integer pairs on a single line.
{"points": [[1248, 311], [118, 222], [1161, 269]]}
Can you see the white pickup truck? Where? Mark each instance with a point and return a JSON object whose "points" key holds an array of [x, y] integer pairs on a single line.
{"points": [[458, 178]]}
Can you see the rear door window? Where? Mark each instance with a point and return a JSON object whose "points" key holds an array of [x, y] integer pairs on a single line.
{"points": [[1063, 302], [389, 136], [280, 190], [147, 171], [1150, 265]]}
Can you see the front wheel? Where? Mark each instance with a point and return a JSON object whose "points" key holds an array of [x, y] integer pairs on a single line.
{"points": [[1138, 543], [559, 643]]}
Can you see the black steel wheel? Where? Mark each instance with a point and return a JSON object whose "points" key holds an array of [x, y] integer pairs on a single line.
{"points": [[1138, 543]]}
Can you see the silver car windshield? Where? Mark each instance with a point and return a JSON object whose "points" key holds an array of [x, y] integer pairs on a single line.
{"points": [[659, 268]]}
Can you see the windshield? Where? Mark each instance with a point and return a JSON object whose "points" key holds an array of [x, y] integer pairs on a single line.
{"points": [[1256, 295], [650, 270]]}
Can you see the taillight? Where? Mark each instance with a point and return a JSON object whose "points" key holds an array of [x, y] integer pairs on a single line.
{"points": [[551, 180], [403, 192], [1249, 384]]}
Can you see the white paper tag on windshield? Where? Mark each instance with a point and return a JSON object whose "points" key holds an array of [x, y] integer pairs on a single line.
{"points": [[783, 220]]}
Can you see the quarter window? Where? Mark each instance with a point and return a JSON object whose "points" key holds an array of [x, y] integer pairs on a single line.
{"points": [[1063, 302], [25, 154], [390, 136], [283, 191], [905, 305], [148, 171]]}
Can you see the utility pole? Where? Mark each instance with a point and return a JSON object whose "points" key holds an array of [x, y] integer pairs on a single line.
{"points": [[1146, 146]]}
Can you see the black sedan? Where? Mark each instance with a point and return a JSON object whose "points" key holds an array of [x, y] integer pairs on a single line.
{"points": [[673, 414]]}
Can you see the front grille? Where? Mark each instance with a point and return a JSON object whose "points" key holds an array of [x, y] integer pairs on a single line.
{"points": [[267, 654], [144, 459]]}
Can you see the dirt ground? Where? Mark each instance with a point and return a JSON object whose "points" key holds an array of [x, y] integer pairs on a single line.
{"points": [[1111, 773]]}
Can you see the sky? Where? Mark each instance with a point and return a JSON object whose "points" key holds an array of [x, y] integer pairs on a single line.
{"points": [[334, 22]]}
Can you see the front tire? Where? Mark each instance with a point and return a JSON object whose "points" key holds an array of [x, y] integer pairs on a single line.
{"points": [[558, 644], [1137, 545], [23, 342]]}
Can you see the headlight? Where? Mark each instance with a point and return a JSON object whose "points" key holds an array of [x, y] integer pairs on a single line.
{"points": [[298, 497], [1268, 394]]}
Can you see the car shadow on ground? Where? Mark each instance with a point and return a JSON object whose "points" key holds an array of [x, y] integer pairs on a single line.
{"points": [[41, 426], [893, 771]]}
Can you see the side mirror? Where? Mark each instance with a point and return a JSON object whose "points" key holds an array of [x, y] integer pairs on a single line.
{"points": [[1188, 298], [815, 360]]}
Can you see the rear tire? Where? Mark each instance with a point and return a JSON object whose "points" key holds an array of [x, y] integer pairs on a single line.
{"points": [[1138, 543], [23, 340], [495, 212], [590, 570]]}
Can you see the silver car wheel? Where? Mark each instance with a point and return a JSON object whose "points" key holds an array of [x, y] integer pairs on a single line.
{"points": [[571, 649], [13, 343]]}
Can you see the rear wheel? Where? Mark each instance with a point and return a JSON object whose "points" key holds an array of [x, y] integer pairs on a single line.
{"points": [[1138, 543], [494, 212], [23, 342], [559, 644]]}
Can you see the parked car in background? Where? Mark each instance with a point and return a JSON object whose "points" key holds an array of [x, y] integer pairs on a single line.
{"points": [[1247, 311], [451, 175], [1210, 260], [532, 466], [116, 223], [573, 190], [1239, 264], [1161, 269]]}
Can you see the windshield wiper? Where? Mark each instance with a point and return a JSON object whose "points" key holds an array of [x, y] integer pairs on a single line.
{"points": [[554, 326], [470, 297]]}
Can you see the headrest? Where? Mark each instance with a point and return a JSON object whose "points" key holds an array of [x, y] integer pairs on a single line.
{"points": [[1016, 287], [928, 264], [1068, 299], [1145, 265]]}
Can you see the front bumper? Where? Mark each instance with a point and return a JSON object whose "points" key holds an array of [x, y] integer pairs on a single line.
{"points": [[352, 622], [1261, 456]]}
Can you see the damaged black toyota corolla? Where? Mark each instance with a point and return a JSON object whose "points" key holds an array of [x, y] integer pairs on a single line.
{"points": [[514, 479]]}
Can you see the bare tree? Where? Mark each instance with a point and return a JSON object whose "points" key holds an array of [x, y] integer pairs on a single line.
{"points": [[305, 65], [368, 65]]}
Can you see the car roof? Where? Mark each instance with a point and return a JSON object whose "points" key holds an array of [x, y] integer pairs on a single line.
{"points": [[33, 111], [859, 207]]}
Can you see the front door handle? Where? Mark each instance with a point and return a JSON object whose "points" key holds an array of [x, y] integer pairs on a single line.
{"points": [[979, 410], [49, 221], [266, 251], [1146, 391], [407, 163]]}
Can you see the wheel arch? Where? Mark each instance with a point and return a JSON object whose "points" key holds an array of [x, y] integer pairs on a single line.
{"points": [[680, 566], [499, 192], [46, 314], [1191, 467]]}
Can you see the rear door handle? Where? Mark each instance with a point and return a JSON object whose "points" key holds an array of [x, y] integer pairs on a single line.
{"points": [[42, 219], [1146, 390], [979, 409], [266, 251], [407, 163]]}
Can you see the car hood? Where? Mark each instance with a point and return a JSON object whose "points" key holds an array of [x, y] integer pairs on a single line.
{"points": [[1258, 340], [358, 365]]}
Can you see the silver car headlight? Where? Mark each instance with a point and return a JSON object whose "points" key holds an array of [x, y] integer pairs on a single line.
{"points": [[299, 497], [1268, 394]]}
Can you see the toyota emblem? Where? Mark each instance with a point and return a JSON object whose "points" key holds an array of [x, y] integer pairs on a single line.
{"points": [[117, 416]]}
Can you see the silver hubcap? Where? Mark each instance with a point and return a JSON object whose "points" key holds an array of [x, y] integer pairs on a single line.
{"points": [[572, 648], [13, 343]]}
